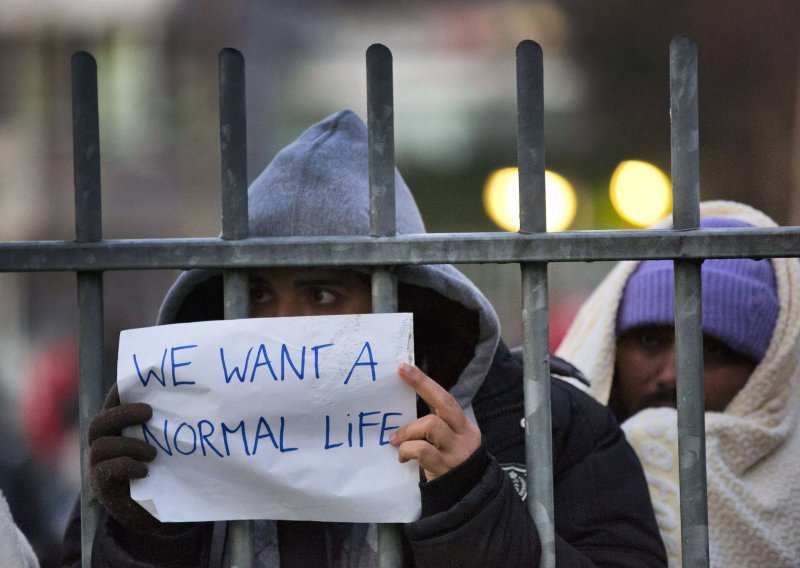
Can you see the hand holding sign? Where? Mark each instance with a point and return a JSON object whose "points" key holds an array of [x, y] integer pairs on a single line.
{"points": [[114, 459], [278, 418], [441, 440]]}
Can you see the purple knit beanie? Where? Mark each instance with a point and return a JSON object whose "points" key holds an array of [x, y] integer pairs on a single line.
{"points": [[740, 298]]}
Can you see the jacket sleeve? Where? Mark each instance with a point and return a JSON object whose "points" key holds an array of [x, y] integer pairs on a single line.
{"points": [[602, 510], [114, 546], [488, 527], [603, 507]]}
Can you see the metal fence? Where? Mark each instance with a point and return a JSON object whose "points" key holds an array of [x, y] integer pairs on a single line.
{"points": [[89, 256]]}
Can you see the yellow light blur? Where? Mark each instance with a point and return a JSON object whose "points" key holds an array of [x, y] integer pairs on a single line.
{"points": [[501, 200], [640, 192], [561, 201]]}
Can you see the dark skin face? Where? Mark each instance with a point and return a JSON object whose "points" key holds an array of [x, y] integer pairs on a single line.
{"points": [[645, 374]]}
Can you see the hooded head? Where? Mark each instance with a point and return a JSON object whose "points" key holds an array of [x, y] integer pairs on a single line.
{"points": [[752, 446], [319, 186], [740, 298], [740, 309], [590, 343]]}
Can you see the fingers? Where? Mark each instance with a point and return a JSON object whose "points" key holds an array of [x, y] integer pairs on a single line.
{"points": [[436, 447], [441, 440], [432, 443], [111, 476], [110, 447], [114, 460], [433, 460], [110, 484], [112, 398], [430, 428], [441, 402], [111, 421]]}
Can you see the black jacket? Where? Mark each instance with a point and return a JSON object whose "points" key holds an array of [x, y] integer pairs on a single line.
{"points": [[474, 515]]}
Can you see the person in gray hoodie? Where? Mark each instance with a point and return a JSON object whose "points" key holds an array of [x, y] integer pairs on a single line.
{"points": [[469, 440]]}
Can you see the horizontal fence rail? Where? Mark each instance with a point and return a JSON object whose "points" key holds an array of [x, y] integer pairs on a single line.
{"points": [[432, 248]]}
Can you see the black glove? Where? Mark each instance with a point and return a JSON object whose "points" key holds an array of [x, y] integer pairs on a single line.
{"points": [[114, 460]]}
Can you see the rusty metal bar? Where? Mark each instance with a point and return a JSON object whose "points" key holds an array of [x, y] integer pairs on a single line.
{"points": [[536, 349], [383, 223], [380, 125], [88, 228], [432, 248], [688, 305], [233, 150]]}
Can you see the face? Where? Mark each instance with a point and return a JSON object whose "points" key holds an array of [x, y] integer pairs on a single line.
{"points": [[280, 292], [645, 374]]}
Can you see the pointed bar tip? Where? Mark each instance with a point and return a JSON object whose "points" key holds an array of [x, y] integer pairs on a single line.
{"points": [[528, 47], [230, 52], [378, 51], [682, 42], [83, 58]]}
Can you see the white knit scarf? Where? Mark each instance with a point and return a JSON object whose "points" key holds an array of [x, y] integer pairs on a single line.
{"points": [[752, 448]]}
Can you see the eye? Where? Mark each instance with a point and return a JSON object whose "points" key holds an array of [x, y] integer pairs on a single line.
{"points": [[259, 294], [713, 349], [649, 340], [322, 296], [716, 352], [653, 340]]}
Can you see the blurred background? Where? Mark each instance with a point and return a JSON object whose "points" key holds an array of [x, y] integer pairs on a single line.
{"points": [[606, 70]]}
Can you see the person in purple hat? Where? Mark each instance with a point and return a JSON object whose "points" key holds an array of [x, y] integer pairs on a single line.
{"points": [[623, 340], [740, 308]]}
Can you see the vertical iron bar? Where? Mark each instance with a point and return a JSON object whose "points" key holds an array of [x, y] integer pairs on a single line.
{"points": [[88, 228], [685, 132], [380, 123], [233, 150], [688, 305], [382, 223], [536, 350], [530, 137], [384, 291], [233, 144]]}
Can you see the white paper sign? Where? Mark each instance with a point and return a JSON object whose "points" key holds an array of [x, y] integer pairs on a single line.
{"points": [[274, 418]]}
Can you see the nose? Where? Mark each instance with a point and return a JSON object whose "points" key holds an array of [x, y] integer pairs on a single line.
{"points": [[287, 306], [667, 374]]}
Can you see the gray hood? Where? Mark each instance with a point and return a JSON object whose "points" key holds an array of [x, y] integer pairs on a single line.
{"points": [[318, 186]]}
